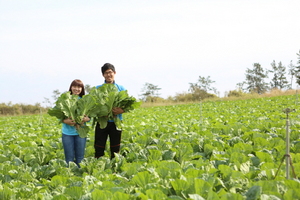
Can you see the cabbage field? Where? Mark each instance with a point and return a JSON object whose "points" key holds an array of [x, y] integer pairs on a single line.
{"points": [[212, 150]]}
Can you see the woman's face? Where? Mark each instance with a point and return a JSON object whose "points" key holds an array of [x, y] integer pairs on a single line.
{"points": [[76, 90]]}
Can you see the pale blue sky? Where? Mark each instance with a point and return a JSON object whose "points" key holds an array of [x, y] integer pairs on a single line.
{"points": [[44, 45]]}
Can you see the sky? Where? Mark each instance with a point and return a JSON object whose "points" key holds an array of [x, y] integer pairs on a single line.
{"points": [[45, 45]]}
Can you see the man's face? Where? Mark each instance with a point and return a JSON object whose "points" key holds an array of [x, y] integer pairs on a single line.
{"points": [[109, 76]]}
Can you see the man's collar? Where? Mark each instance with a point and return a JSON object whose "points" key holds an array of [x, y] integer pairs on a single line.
{"points": [[112, 83]]}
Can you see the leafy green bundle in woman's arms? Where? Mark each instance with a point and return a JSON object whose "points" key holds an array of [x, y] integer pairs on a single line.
{"points": [[85, 106], [67, 103], [70, 106], [65, 107], [56, 112]]}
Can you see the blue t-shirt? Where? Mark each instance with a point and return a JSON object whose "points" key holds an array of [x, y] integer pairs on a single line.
{"points": [[120, 88], [69, 130]]}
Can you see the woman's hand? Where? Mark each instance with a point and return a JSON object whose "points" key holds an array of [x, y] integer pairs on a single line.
{"points": [[69, 122], [117, 110], [85, 119]]}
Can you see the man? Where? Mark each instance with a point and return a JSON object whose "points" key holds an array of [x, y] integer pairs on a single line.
{"points": [[101, 135]]}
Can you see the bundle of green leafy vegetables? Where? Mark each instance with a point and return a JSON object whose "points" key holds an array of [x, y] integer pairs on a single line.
{"points": [[70, 106], [97, 105], [108, 97]]}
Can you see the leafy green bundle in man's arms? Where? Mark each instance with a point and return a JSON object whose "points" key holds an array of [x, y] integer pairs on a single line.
{"points": [[103, 104], [109, 97], [126, 102]]}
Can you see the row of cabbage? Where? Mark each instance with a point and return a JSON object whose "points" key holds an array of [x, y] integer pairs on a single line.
{"points": [[211, 150]]}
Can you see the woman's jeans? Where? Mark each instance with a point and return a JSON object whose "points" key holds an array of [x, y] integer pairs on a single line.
{"points": [[74, 148]]}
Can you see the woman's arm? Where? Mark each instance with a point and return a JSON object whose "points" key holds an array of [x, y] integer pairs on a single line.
{"points": [[69, 121]]}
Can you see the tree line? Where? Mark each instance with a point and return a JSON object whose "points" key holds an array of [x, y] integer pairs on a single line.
{"points": [[258, 80], [20, 109]]}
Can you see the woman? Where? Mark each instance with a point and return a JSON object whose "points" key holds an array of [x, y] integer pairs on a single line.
{"points": [[74, 146]]}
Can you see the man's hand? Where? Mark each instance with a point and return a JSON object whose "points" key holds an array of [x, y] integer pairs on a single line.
{"points": [[117, 110], [69, 122]]}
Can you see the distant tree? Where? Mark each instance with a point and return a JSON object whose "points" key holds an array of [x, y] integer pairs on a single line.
{"points": [[255, 79], [150, 92], [279, 79], [201, 89], [20, 109], [87, 88], [240, 86], [235, 93], [47, 102], [56, 94], [292, 72], [203, 84], [183, 97], [297, 75]]}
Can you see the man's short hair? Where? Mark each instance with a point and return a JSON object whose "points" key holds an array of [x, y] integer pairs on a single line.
{"points": [[107, 66]]}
